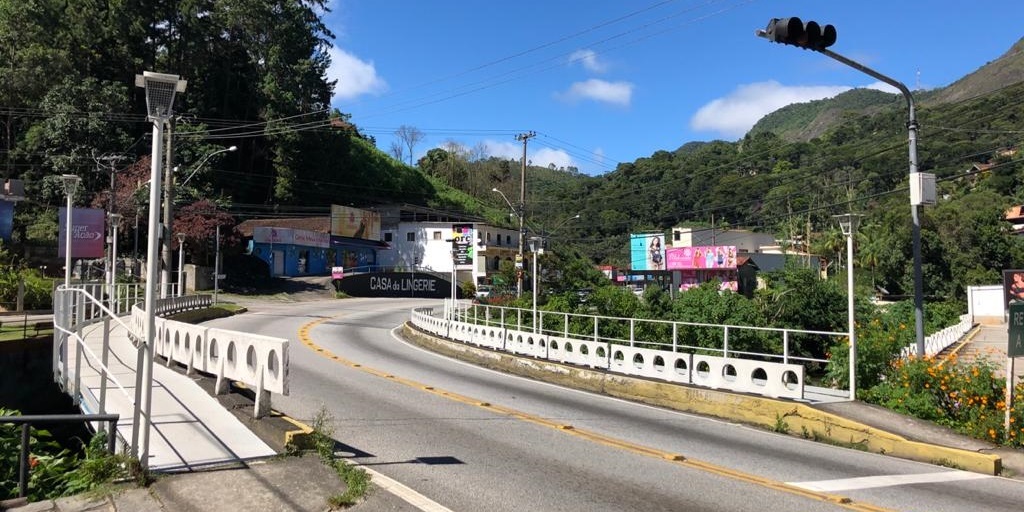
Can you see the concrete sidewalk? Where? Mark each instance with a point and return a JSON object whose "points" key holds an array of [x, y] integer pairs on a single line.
{"points": [[190, 428]]}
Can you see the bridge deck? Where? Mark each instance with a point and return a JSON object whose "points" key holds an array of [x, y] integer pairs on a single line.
{"points": [[190, 428]]}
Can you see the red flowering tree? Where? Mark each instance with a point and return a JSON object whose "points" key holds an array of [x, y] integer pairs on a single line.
{"points": [[199, 222]]}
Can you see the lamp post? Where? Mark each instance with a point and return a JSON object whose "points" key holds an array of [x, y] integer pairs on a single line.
{"points": [[199, 165], [537, 244], [115, 219], [848, 223], [160, 90], [181, 264], [814, 37], [70, 184], [169, 216], [518, 212]]}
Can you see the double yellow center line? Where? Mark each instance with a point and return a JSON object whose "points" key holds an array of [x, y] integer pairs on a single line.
{"points": [[595, 437]]}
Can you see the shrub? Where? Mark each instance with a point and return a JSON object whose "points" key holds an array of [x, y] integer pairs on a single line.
{"points": [[968, 398]]}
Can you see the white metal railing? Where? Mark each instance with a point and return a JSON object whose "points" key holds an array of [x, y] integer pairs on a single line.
{"points": [[74, 309], [940, 340], [660, 334], [486, 326]]}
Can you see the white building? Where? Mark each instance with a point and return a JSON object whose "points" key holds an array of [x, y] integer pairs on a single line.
{"points": [[744, 240], [426, 245]]}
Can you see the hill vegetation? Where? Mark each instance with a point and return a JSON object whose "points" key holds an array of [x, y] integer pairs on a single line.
{"points": [[257, 80]]}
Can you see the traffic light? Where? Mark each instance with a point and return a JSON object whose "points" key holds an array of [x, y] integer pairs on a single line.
{"points": [[809, 36]]}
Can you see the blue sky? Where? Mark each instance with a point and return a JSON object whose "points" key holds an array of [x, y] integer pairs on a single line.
{"points": [[603, 82]]}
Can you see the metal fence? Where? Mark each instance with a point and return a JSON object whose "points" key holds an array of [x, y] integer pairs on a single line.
{"points": [[28, 421]]}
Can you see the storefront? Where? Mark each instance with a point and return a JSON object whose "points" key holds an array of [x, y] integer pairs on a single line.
{"points": [[292, 252]]}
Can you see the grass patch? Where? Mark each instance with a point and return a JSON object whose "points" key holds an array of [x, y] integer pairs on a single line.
{"points": [[210, 313], [780, 424], [357, 480]]}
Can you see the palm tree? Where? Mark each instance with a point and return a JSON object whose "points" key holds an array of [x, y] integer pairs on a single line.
{"points": [[871, 246], [830, 244]]}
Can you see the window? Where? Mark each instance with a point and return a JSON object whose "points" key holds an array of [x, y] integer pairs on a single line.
{"points": [[410, 236], [508, 241], [676, 235], [387, 237], [437, 235], [488, 237]]}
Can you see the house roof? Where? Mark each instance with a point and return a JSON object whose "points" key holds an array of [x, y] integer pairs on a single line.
{"points": [[317, 224], [1014, 213]]}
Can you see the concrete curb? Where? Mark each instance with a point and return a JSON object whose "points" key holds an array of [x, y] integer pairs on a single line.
{"points": [[793, 418]]}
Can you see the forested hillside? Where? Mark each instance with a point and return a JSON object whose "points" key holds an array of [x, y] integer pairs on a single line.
{"points": [[790, 185], [256, 73], [256, 80]]}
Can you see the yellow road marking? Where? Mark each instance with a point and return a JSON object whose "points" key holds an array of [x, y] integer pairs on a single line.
{"points": [[595, 437]]}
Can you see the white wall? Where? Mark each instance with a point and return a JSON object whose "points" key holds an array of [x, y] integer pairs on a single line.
{"points": [[429, 250], [986, 304]]}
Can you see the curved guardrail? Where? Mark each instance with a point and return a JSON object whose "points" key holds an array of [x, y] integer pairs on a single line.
{"points": [[260, 362], [776, 380]]}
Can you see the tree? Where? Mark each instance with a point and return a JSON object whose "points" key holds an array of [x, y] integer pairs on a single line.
{"points": [[410, 137], [199, 222]]}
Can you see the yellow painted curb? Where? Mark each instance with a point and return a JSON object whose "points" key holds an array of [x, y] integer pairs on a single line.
{"points": [[793, 418], [301, 437]]}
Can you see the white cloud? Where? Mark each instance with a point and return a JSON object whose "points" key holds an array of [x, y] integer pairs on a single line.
{"points": [[882, 86], [589, 60], [542, 157], [616, 93], [736, 113], [355, 77]]}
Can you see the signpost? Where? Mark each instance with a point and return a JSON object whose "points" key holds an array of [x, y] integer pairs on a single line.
{"points": [[1014, 349]]}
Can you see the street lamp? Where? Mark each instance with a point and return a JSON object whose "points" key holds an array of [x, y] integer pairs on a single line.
{"points": [[203, 161], [537, 244], [160, 90], [518, 212], [115, 219], [181, 264], [169, 215], [848, 223], [70, 184], [814, 37]]}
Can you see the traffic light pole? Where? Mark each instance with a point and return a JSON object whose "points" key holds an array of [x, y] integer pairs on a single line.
{"points": [[916, 231]]}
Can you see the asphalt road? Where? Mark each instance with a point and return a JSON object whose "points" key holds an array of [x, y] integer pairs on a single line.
{"points": [[471, 439]]}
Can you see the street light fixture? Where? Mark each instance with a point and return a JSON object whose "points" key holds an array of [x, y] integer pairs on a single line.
{"points": [[115, 219], [848, 223], [181, 264], [812, 36], [203, 161], [70, 184], [169, 216], [160, 91], [537, 245], [518, 212]]}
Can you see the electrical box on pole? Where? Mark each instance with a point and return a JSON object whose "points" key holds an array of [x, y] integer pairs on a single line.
{"points": [[922, 188]]}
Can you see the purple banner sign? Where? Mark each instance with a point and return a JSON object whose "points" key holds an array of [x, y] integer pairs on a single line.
{"points": [[86, 232]]}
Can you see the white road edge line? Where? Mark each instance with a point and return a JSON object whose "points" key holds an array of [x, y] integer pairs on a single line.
{"points": [[404, 492], [871, 482]]}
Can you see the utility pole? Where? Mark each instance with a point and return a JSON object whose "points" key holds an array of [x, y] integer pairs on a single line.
{"points": [[165, 233], [524, 137], [110, 265]]}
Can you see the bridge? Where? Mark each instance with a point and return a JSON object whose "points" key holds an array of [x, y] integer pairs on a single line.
{"points": [[101, 359], [171, 423]]}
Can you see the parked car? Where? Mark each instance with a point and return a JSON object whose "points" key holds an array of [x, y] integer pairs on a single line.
{"points": [[483, 291]]}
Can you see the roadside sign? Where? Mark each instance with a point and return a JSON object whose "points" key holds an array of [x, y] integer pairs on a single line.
{"points": [[1015, 347], [337, 272], [222, 276]]}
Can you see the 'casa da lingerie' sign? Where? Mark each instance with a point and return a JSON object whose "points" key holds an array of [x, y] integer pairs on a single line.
{"points": [[395, 284]]}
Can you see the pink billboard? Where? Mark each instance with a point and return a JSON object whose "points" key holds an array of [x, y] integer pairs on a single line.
{"points": [[86, 232], [701, 257]]}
